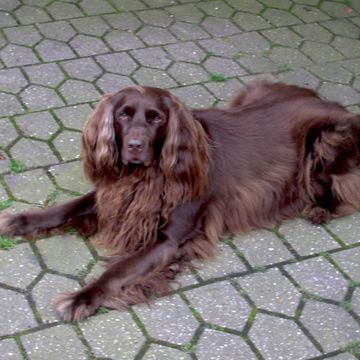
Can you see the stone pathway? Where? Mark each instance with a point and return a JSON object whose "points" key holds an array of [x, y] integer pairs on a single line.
{"points": [[291, 292]]}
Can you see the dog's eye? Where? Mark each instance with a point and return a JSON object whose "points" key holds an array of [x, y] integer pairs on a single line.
{"points": [[124, 116], [154, 118]]}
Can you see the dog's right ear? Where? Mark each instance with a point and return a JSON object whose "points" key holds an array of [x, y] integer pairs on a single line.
{"points": [[100, 150]]}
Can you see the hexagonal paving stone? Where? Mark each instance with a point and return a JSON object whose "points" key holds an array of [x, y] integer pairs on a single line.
{"points": [[306, 238], [251, 22], [31, 14], [308, 13], [23, 35], [52, 50], [6, 19], [19, 266], [3, 194], [320, 52], [226, 67], [220, 304], [10, 350], [118, 63], [185, 31], [76, 91], [65, 253], [125, 5], [9, 5], [219, 345], [349, 261], [62, 341], [123, 21], [216, 8], [45, 291], [313, 32], [9, 105], [32, 186], [122, 40], [57, 30], [331, 325], [293, 57], [82, 69], [332, 72], [113, 335], [7, 132], [225, 263], [25, 149], [251, 6], [278, 338], [187, 51], [219, 27], [224, 90], [342, 27], [187, 74], [187, 12], [335, 9], [348, 47], [346, 228], [356, 300], [110, 82], [69, 145], [70, 176], [155, 36], [74, 117], [280, 17], [16, 55], [300, 77], [158, 352], [262, 248], [194, 96], [37, 97], [16, 314], [249, 43], [271, 291], [283, 36], [154, 57], [344, 94], [60, 10], [168, 320], [45, 74], [85, 45], [94, 25], [318, 276], [156, 17], [153, 77]]}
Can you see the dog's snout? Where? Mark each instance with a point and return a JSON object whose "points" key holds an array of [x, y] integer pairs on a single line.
{"points": [[135, 145]]}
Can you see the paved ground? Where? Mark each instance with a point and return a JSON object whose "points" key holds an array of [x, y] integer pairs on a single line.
{"points": [[289, 293]]}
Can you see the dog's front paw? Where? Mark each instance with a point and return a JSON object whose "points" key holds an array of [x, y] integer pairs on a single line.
{"points": [[317, 215], [77, 305], [9, 224]]}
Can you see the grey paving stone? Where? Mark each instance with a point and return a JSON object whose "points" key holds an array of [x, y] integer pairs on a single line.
{"points": [[185, 31], [186, 12], [271, 291], [280, 17], [68, 143], [262, 248], [9, 5], [283, 36], [62, 341], [12, 80], [113, 335], [111, 82], [194, 96], [221, 47], [219, 27], [118, 63], [306, 238], [45, 74], [332, 72], [52, 50], [335, 9], [216, 8], [37, 97], [76, 91], [23, 35], [153, 77], [70, 176], [155, 36], [251, 22], [347, 228], [293, 57], [74, 117], [226, 67], [344, 94], [317, 276], [93, 25], [16, 314], [224, 263], [9, 350], [82, 69], [125, 5], [158, 352], [6, 19], [214, 345], [61, 10], [220, 304], [123, 21], [224, 90], [356, 300], [57, 30], [93, 7], [187, 74], [278, 338], [32, 186], [156, 17], [122, 40], [184, 279], [3, 194], [256, 63], [19, 266], [85, 45], [9, 105], [31, 14], [186, 51], [344, 356], [45, 291], [251, 6], [320, 53], [348, 47], [349, 261], [342, 27], [16, 55], [331, 325], [278, 4], [308, 13], [65, 253], [159, 3], [249, 43], [313, 32], [154, 57], [300, 77], [169, 319]]}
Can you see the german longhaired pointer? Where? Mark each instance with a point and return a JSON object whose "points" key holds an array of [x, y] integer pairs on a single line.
{"points": [[170, 181]]}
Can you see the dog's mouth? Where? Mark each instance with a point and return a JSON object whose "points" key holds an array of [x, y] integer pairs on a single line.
{"points": [[136, 161]]}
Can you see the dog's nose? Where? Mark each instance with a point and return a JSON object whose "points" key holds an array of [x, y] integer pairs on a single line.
{"points": [[135, 145]]}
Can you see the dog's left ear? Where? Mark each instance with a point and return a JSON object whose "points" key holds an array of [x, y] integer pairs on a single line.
{"points": [[185, 157], [100, 154]]}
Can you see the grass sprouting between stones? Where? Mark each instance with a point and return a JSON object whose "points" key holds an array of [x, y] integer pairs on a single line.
{"points": [[17, 166], [5, 204], [7, 243], [218, 77], [284, 68]]}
